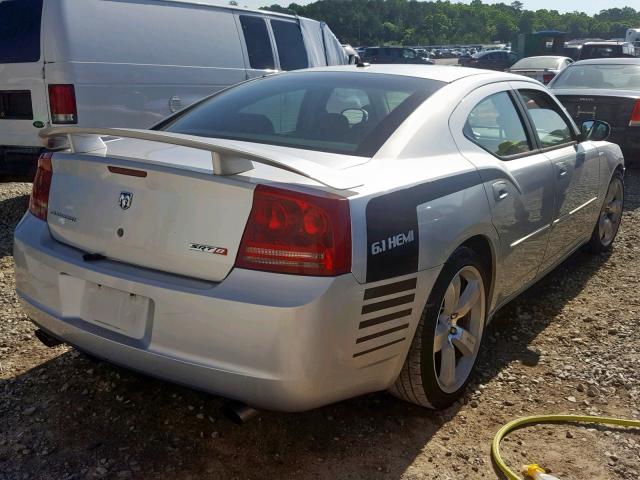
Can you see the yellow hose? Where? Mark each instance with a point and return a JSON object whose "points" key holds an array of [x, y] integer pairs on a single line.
{"points": [[495, 446]]}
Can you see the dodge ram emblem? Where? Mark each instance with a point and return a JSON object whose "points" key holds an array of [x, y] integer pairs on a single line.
{"points": [[125, 201]]}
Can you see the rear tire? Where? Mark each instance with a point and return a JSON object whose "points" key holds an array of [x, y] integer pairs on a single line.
{"points": [[445, 347], [610, 217]]}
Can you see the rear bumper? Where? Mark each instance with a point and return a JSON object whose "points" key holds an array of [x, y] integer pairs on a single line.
{"points": [[273, 341], [628, 138]]}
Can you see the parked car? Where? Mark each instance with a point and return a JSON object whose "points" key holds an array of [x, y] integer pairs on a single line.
{"points": [[492, 60], [542, 69], [463, 60], [607, 50], [607, 89], [394, 55], [311, 236], [129, 63]]}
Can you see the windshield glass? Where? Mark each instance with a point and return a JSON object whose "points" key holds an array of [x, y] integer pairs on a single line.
{"points": [[20, 30], [601, 51], [342, 112], [616, 77], [536, 63]]}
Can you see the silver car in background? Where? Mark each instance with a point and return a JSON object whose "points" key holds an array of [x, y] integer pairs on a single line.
{"points": [[544, 68], [311, 236]]}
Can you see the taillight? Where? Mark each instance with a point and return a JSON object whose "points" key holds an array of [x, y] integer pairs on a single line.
{"points": [[547, 77], [62, 101], [635, 115], [39, 201], [298, 233]]}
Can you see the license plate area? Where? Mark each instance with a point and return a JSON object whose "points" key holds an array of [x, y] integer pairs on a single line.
{"points": [[116, 310]]}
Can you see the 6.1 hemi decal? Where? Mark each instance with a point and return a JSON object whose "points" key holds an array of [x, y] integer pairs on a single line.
{"points": [[393, 238]]}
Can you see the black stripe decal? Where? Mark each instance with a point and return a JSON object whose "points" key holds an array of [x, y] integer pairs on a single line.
{"points": [[385, 318], [393, 302], [390, 288], [392, 222], [382, 333], [378, 347]]}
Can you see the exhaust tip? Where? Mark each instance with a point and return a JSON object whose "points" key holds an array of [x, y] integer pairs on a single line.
{"points": [[47, 339], [238, 412]]}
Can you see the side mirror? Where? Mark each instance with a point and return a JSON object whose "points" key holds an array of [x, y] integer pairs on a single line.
{"points": [[596, 130]]}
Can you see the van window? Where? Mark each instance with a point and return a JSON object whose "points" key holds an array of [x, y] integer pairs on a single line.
{"points": [[258, 44], [20, 30], [291, 49]]}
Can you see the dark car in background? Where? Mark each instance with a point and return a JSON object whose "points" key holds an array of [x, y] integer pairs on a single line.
{"points": [[393, 55], [492, 60], [607, 50], [607, 89]]}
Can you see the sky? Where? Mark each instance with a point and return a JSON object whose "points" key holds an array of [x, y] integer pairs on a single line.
{"points": [[588, 6]]}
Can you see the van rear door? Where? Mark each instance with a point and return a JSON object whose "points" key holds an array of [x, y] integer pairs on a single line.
{"points": [[23, 97]]}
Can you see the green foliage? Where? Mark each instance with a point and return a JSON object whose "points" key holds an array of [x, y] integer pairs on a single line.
{"points": [[411, 22]]}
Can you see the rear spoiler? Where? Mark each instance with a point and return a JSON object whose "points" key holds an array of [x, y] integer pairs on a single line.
{"points": [[225, 160]]}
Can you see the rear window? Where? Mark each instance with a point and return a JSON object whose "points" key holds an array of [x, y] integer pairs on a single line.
{"points": [[601, 51], [537, 63], [349, 113], [291, 49], [616, 77], [20, 30]]}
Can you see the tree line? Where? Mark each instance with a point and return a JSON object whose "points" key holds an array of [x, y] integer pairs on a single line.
{"points": [[411, 22]]}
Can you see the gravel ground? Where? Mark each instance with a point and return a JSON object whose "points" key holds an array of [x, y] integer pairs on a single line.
{"points": [[570, 344]]}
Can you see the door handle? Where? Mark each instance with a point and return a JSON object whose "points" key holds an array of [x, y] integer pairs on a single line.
{"points": [[500, 191], [562, 169]]}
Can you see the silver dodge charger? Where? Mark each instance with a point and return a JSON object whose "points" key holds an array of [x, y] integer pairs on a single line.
{"points": [[311, 236]]}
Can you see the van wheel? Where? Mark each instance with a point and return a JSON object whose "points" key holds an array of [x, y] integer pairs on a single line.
{"points": [[608, 223], [445, 347]]}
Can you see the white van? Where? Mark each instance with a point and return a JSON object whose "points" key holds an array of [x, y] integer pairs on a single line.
{"points": [[130, 63]]}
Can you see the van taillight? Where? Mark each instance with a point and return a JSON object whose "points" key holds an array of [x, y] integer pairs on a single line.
{"points": [[62, 101], [547, 77], [39, 201], [635, 115], [296, 233]]}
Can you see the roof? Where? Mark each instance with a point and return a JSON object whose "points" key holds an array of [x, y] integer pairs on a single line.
{"points": [[225, 5], [442, 73], [609, 61], [606, 42]]}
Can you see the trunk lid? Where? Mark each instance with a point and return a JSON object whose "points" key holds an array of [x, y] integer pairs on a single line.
{"points": [[614, 107], [23, 95], [186, 222]]}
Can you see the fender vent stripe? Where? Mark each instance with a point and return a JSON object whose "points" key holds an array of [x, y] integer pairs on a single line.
{"points": [[378, 347], [385, 318], [393, 302], [382, 333], [390, 288]]}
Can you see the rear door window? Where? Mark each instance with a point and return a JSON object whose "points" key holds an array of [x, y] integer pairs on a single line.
{"points": [[494, 124], [20, 30], [291, 49], [256, 37]]}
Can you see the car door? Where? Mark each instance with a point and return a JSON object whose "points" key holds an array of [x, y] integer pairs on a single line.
{"points": [[576, 170], [491, 131], [257, 45]]}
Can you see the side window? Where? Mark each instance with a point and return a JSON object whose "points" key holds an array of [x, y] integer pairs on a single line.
{"points": [[494, 124], [406, 53], [256, 37], [291, 49], [551, 126]]}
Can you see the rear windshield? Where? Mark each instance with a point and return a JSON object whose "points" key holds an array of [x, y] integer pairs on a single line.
{"points": [[601, 51], [20, 30], [616, 77], [341, 112], [536, 63]]}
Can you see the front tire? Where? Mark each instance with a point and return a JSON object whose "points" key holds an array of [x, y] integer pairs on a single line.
{"points": [[445, 347], [608, 223]]}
